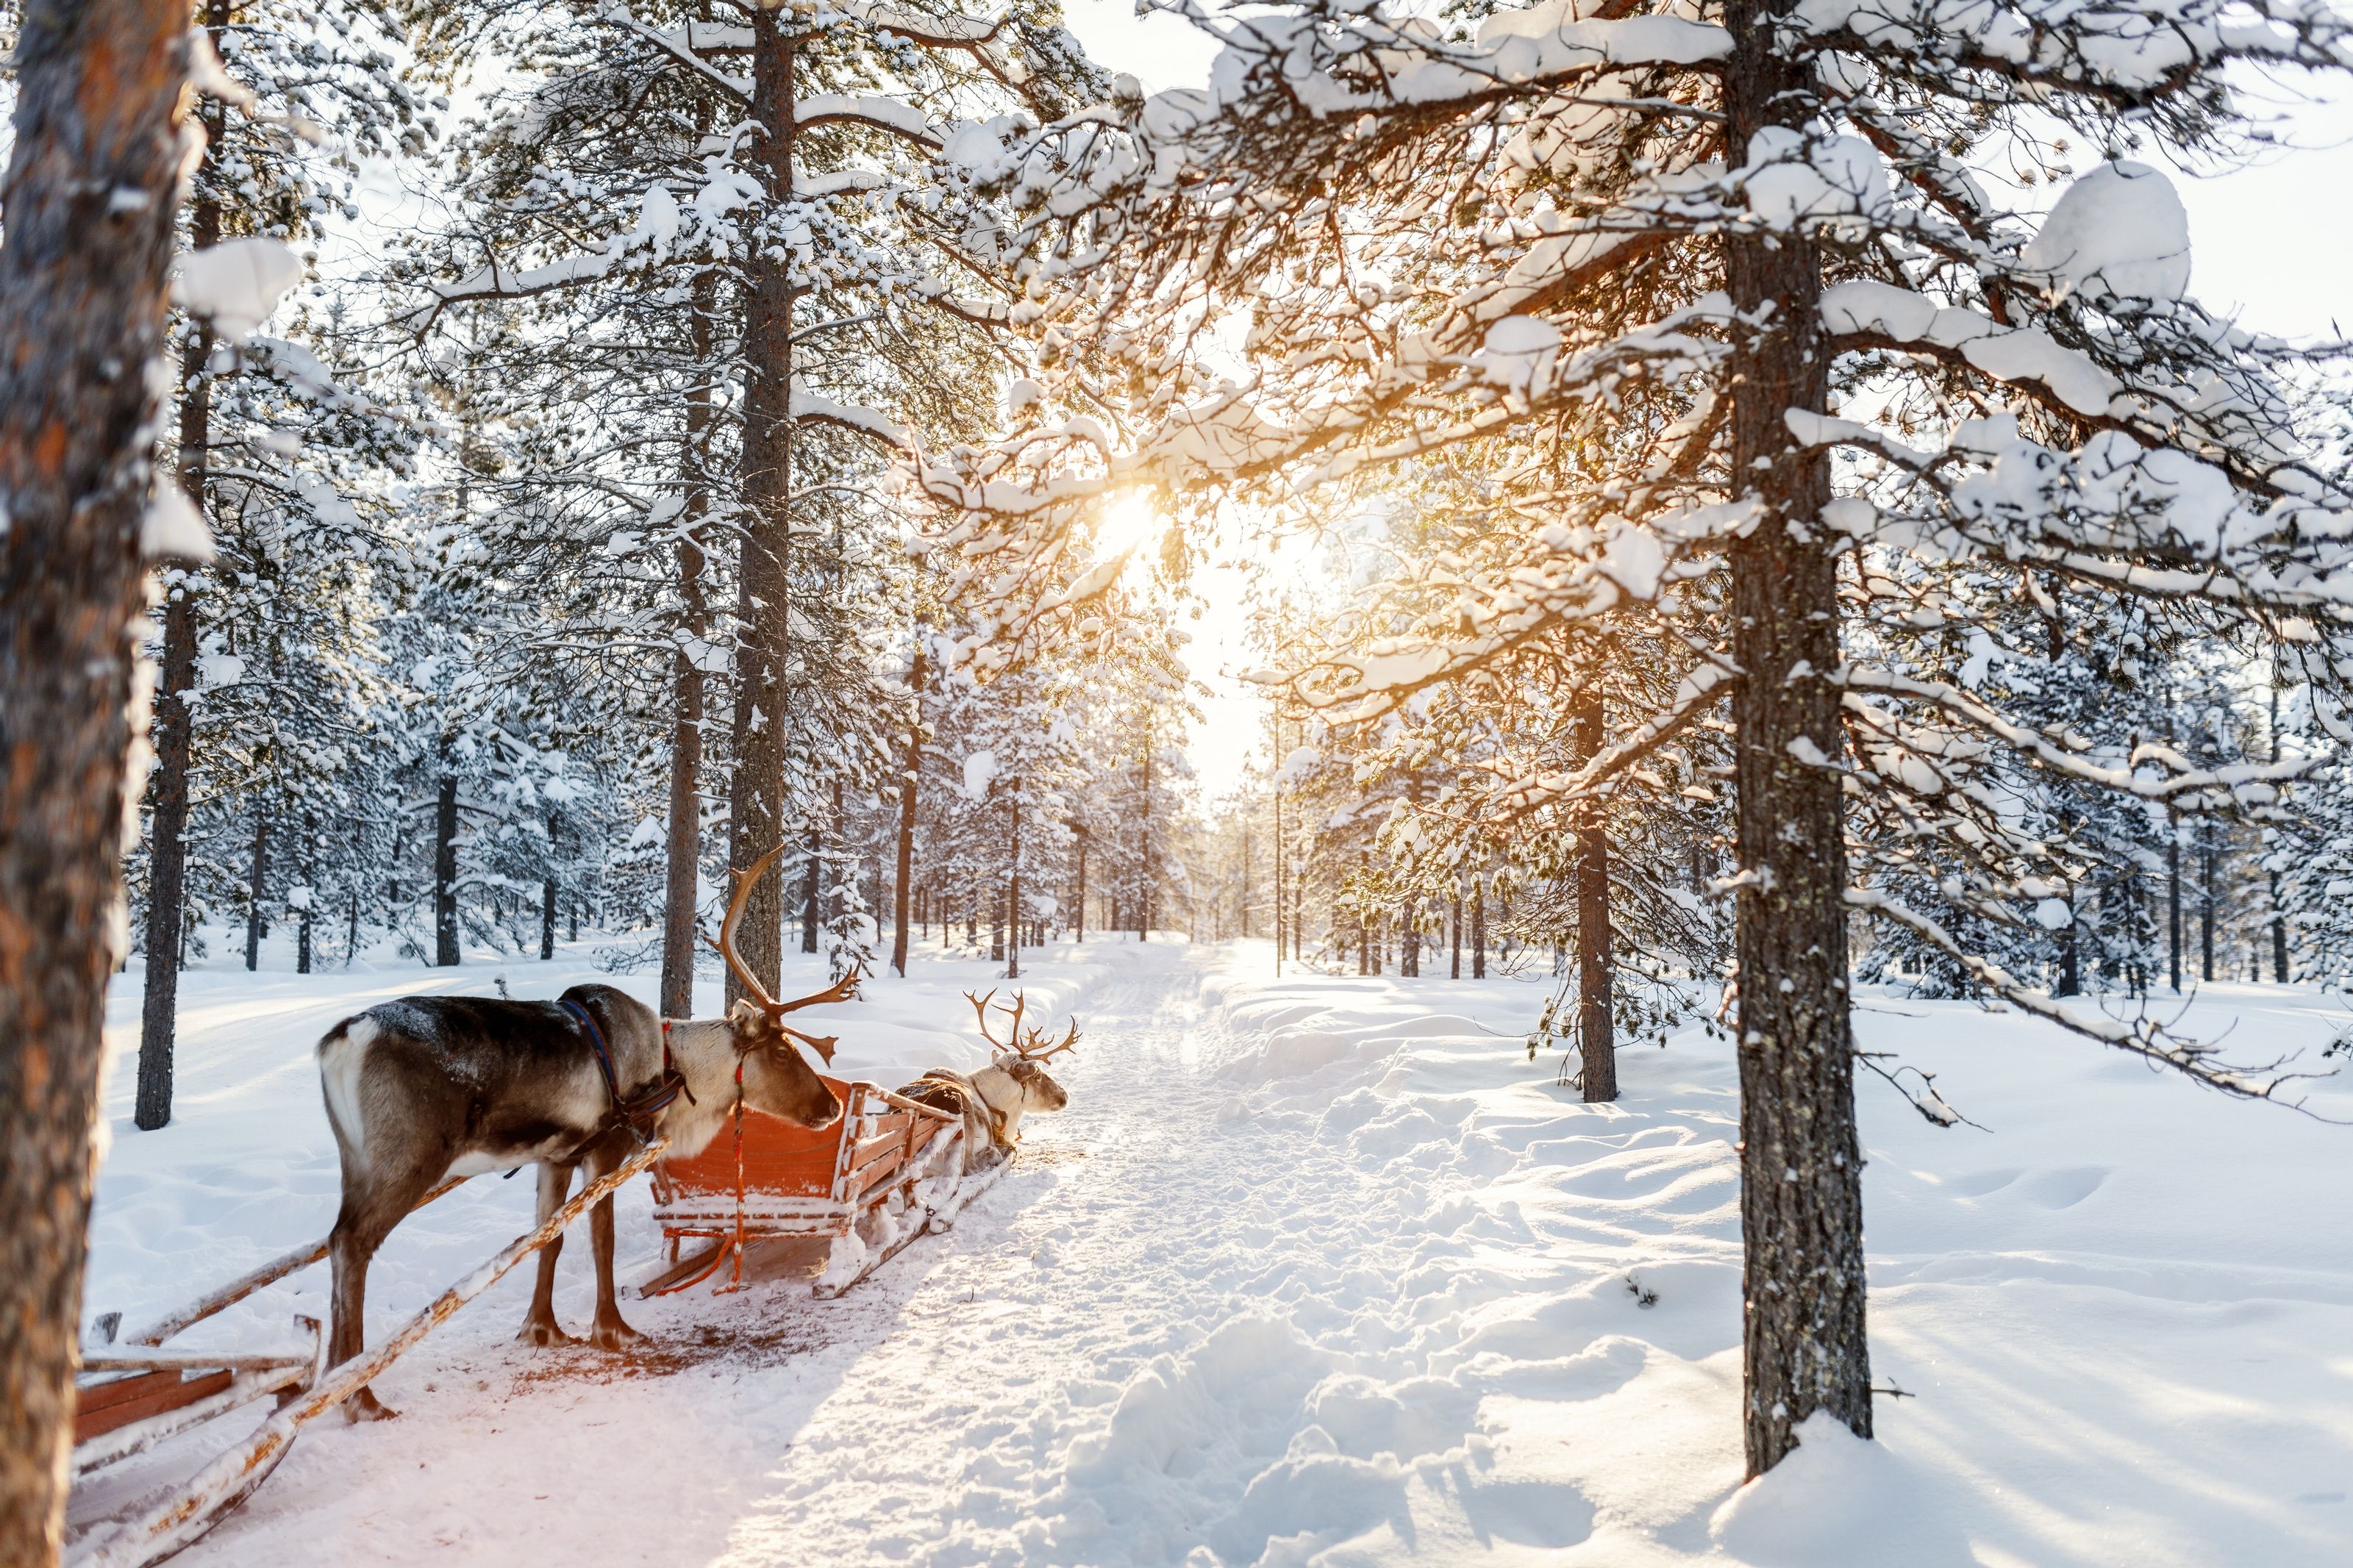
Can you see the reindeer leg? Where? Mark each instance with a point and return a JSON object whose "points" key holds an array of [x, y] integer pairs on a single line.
{"points": [[366, 1218], [539, 1325], [610, 1332]]}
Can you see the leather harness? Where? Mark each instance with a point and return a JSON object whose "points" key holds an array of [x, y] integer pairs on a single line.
{"points": [[636, 1112], [963, 1087]]}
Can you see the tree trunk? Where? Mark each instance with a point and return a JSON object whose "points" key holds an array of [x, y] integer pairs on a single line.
{"points": [[907, 782], [310, 895], [684, 842], [2206, 899], [1013, 896], [1478, 930], [1079, 931], [167, 861], [175, 737], [812, 891], [255, 886], [2071, 954], [757, 792], [446, 954], [91, 196], [1801, 1165], [2173, 898], [1597, 1029], [1143, 902]]}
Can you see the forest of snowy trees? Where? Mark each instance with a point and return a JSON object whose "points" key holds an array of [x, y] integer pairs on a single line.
{"points": [[1758, 500]]}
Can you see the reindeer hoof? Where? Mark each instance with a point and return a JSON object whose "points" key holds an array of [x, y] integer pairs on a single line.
{"points": [[543, 1332], [616, 1335], [365, 1407]]}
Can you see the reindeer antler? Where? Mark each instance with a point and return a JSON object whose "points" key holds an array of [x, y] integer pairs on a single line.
{"points": [[980, 1007], [745, 881], [1068, 1042], [841, 990], [1023, 1043]]}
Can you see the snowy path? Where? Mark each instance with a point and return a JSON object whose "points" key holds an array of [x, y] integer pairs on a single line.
{"points": [[1092, 1368], [989, 1426], [1320, 1270]]}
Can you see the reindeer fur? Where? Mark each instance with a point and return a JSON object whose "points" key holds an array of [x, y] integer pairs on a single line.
{"points": [[1009, 1087], [429, 1087]]}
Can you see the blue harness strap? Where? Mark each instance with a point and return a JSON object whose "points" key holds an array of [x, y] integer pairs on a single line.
{"points": [[637, 1114]]}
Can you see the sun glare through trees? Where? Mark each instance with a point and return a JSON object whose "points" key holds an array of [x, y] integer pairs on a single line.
{"points": [[1322, 781]]}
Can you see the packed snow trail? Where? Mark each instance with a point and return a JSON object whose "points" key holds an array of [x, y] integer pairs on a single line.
{"points": [[1322, 1271], [1115, 1366]]}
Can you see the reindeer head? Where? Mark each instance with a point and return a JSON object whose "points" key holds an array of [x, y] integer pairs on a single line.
{"points": [[1022, 1054], [776, 1078]]}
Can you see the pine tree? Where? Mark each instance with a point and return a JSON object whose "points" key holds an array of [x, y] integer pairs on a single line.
{"points": [[98, 108], [1716, 250], [266, 435]]}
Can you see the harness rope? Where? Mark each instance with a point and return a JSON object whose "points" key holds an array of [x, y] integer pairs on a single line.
{"points": [[735, 1248], [637, 1114]]}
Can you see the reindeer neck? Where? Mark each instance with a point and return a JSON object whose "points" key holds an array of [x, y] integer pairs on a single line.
{"points": [[704, 1051], [1005, 1096]]}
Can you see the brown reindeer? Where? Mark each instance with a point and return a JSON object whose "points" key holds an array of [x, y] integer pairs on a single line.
{"points": [[992, 1100], [429, 1087]]}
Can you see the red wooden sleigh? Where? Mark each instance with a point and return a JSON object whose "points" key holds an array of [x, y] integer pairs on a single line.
{"points": [[854, 1184]]}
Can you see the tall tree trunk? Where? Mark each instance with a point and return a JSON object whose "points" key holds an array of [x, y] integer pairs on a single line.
{"points": [[1800, 1163], [907, 782], [2279, 936], [2173, 897], [309, 895], [812, 889], [2071, 954], [757, 792], [1597, 1029], [1479, 929], [1144, 904], [683, 842], [1080, 928], [174, 725], [255, 886], [2206, 899], [1013, 895], [167, 879], [446, 953], [2279, 915], [92, 194]]}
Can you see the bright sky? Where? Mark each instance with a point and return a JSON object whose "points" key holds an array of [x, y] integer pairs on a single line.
{"points": [[2267, 243]]}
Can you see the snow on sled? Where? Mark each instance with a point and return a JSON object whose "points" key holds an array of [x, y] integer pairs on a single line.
{"points": [[864, 1187], [130, 1400], [892, 1169]]}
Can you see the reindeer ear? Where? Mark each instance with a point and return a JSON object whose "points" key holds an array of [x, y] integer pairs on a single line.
{"points": [[746, 1012]]}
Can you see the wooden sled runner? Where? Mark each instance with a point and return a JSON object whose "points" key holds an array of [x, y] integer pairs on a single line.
{"points": [[860, 1184], [130, 1401]]}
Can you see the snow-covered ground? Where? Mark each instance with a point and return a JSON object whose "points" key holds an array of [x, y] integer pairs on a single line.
{"points": [[1322, 1270]]}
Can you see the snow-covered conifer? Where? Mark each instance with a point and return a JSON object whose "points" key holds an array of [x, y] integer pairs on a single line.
{"points": [[1759, 262]]}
